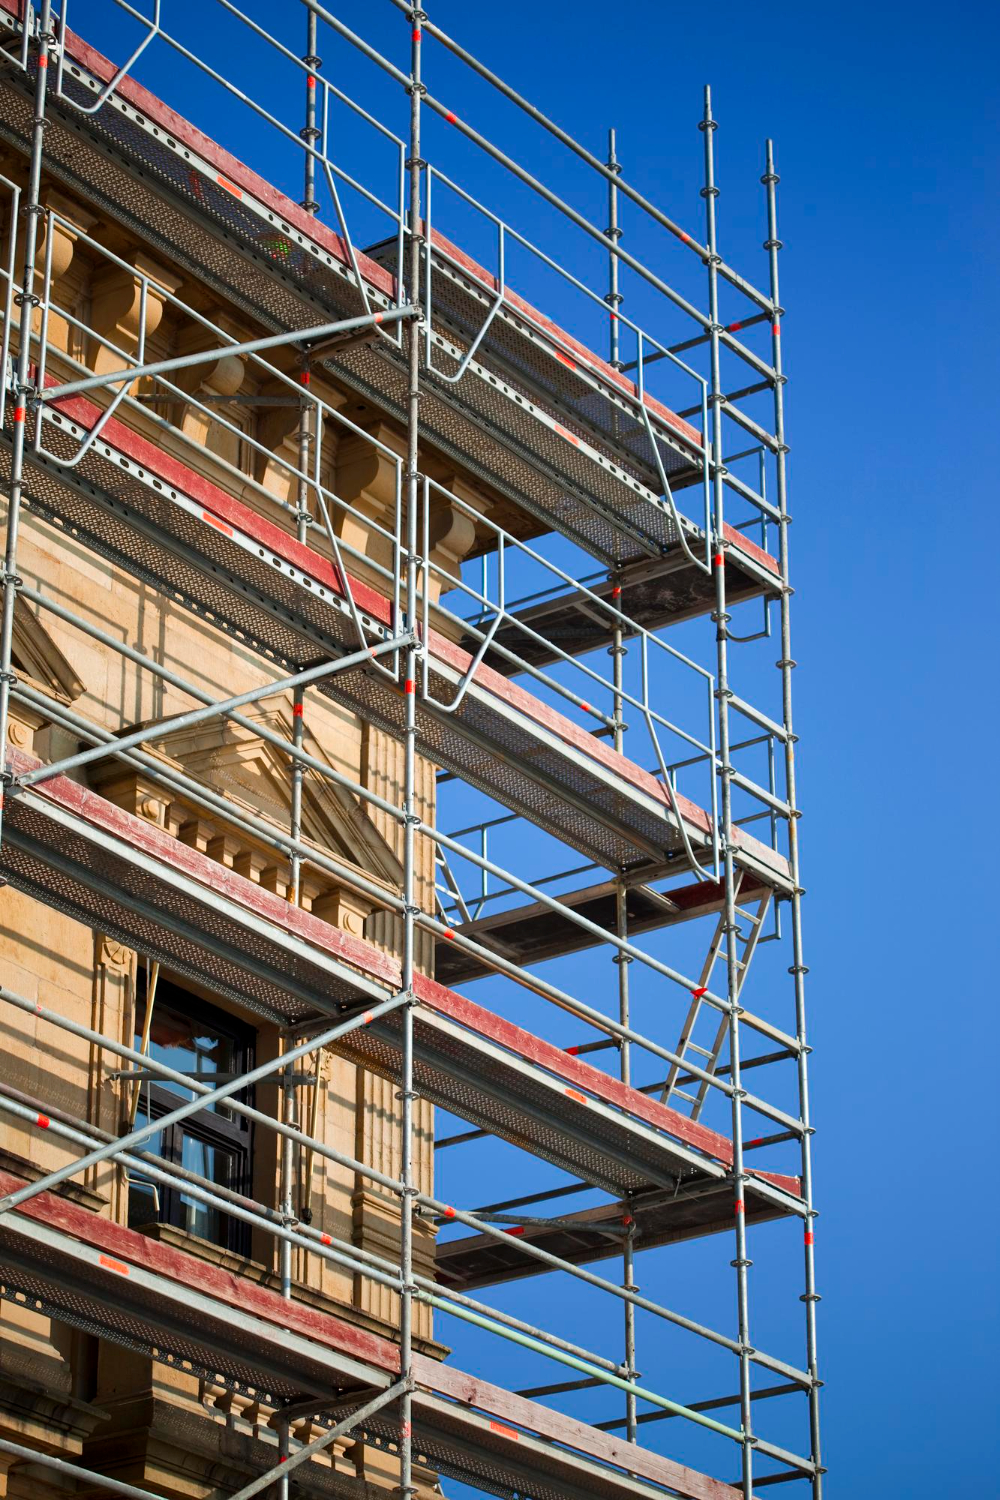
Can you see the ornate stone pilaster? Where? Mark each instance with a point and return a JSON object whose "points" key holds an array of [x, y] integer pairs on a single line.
{"points": [[376, 1211], [382, 763], [112, 1014]]}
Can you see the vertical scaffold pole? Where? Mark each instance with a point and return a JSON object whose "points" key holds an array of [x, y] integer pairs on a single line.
{"points": [[310, 131], [725, 771], [613, 298], [786, 666], [410, 815], [618, 652], [23, 389], [307, 443]]}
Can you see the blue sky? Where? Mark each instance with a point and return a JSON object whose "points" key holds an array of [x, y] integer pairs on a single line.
{"points": [[884, 122]]}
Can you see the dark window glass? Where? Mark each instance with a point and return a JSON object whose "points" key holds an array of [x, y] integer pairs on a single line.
{"points": [[195, 1038]]}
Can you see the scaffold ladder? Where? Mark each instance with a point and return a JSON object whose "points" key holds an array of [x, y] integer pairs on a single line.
{"points": [[707, 1058]]}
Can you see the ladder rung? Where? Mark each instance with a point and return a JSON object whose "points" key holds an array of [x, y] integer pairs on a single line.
{"points": [[680, 1094], [693, 1047]]}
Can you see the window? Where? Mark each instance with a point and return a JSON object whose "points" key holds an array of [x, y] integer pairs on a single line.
{"points": [[195, 1038]]}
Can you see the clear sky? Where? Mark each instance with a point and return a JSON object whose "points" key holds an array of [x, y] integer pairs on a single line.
{"points": [[884, 119]]}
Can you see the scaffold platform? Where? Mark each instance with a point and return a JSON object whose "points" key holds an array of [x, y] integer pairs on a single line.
{"points": [[532, 933], [595, 1234], [163, 523], [462, 508]]}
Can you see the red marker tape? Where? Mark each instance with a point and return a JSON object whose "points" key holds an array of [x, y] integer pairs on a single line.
{"points": [[296, 710], [699, 992], [808, 1237], [738, 1206], [449, 1212], [449, 934], [18, 413], [110, 1264], [450, 117], [718, 559], [368, 1018], [206, 515], [42, 1121], [408, 685], [325, 1239], [776, 329], [310, 83], [517, 1229]]}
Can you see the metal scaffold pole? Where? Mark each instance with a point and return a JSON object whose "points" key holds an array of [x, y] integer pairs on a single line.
{"points": [[725, 771], [24, 390], [786, 666], [622, 960], [308, 457], [308, 441], [410, 815]]}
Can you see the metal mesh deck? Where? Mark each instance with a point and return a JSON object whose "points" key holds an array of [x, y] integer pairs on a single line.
{"points": [[533, 933]]}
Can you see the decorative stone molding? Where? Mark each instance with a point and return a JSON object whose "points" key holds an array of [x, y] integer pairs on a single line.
{"points": [[131, 790], [73, 220], [366, 478], [452, 528], [116, 308], [342, 908]]}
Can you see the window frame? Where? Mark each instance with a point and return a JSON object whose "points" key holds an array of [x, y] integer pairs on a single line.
{"points": [[233, 1135]]}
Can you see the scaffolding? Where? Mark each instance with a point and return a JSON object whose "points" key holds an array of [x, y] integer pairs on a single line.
{"points": [[594, 457]]}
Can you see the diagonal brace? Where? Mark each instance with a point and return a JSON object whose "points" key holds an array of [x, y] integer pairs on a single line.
{"points": [[303, 1455], [207, 356], [200, 1101], [213, 710]]}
